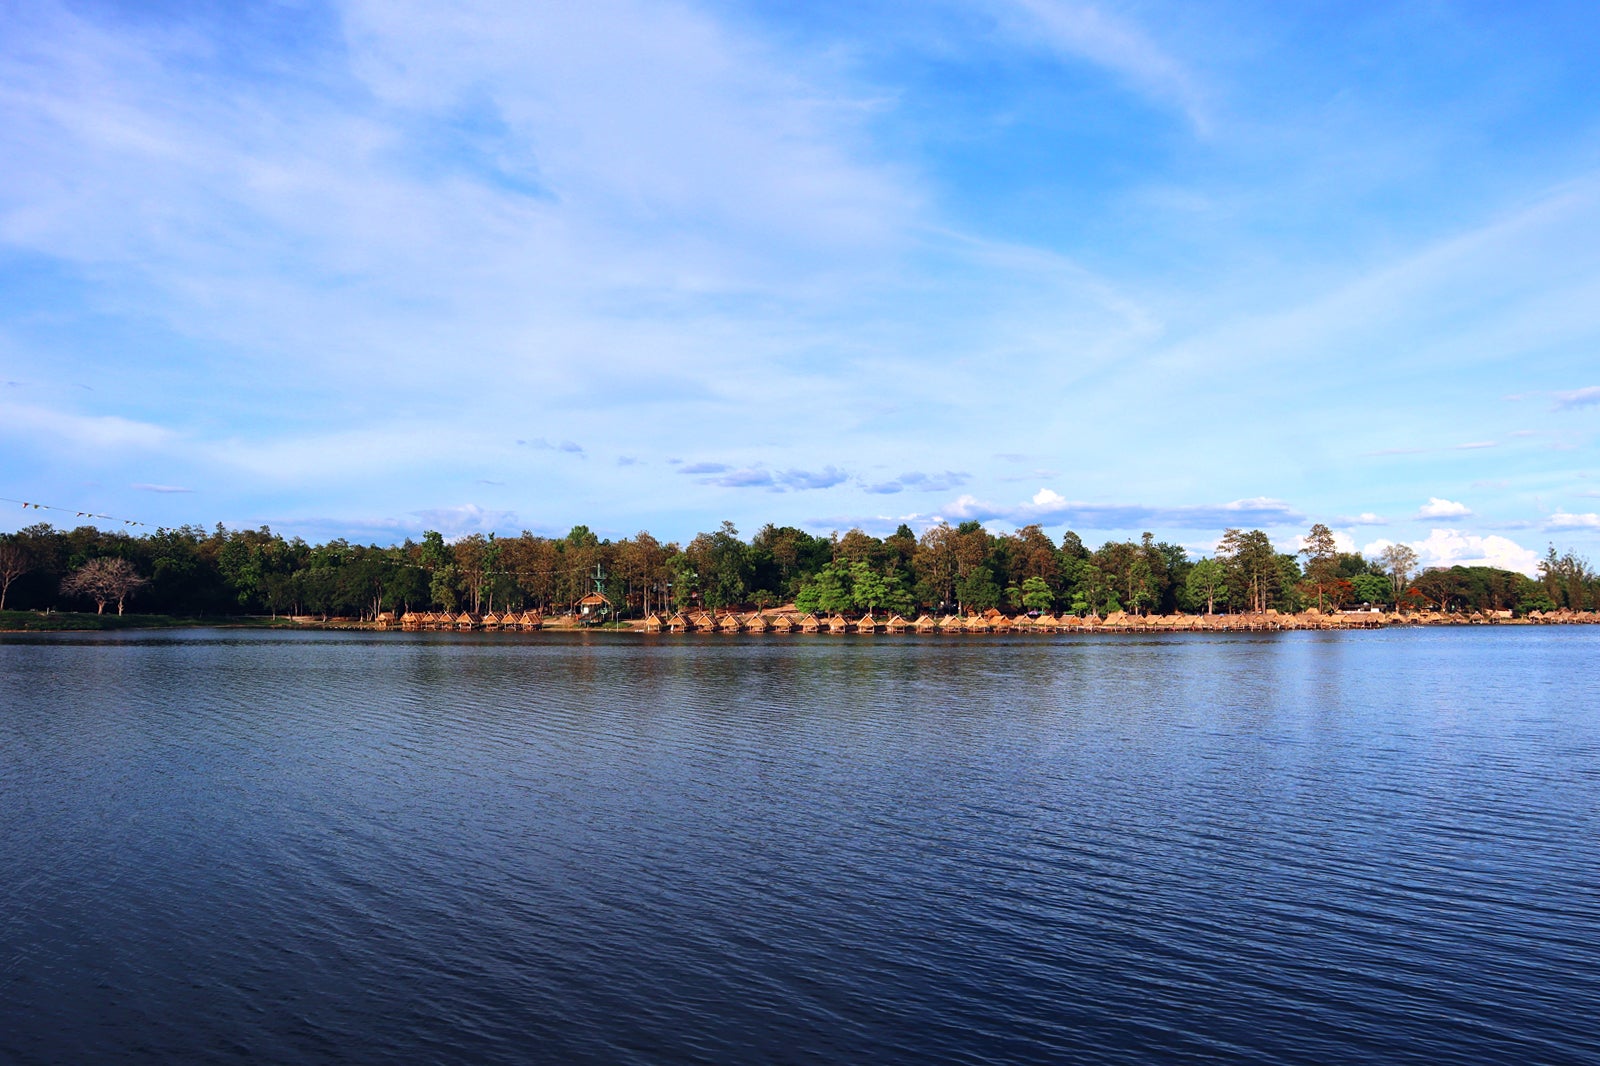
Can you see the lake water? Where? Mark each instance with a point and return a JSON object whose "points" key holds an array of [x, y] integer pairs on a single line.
{"points": [[1307, 847]]}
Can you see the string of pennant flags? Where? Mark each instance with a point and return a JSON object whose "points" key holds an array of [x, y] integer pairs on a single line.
{"points": [[26, 504]]}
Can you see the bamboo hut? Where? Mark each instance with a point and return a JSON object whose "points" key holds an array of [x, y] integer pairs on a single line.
{"points": [[867, 624], [783, 623], [838, 624], [951, 623], [680, 623], [730, 623], [703, 620], [1046, 623], [925, 623], [651, 623], [491, 620], [411, 621], [896, 624], [809, 623], [464, 620], [756, 622], [594, 607]]}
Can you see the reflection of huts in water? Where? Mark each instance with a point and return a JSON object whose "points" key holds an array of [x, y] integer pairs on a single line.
{"points": [[896, 624], [838, 623], [925, 623], [784, 623], [756, 622], [867, 624]]}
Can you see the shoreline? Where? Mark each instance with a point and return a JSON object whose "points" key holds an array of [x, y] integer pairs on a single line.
{"points": [[781, 623]]}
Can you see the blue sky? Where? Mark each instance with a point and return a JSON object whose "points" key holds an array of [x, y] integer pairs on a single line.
{"points": [[365, 268]]}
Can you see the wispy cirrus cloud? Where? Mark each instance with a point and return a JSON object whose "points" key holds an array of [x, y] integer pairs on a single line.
{"points": [[1587, 396], [542, 445], [144, 487], [1092, 32], [759, 476], [916, 481], [1049, 507]]}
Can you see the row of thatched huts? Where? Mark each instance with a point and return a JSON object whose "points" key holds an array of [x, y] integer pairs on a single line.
{"points": [[465, 621], [991, 621]]}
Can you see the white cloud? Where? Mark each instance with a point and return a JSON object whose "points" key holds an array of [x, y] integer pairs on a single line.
{"points": [[460, 521], [1584, 397], [1450, 547], [1091, 32], [66, 430], [1564, 520], [1437, 508], [1365, 518], [1046, 498]]}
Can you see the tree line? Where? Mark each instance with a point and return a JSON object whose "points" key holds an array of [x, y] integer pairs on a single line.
{"points": [[191, 572]]}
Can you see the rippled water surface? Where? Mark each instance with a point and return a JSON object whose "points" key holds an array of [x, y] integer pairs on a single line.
{"points": [[1340, 847]]}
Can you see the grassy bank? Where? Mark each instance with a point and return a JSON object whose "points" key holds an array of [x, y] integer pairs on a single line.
{"points": [[56, 621]]}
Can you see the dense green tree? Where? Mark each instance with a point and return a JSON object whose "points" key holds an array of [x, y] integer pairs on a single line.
{"points": [[1208, 584]]}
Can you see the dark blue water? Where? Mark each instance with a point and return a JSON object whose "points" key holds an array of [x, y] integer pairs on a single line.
{"points": [[1308, 847]]}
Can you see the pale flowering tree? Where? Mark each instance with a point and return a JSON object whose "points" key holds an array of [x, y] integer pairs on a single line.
{"points": [[14, 562], [104, 581]]}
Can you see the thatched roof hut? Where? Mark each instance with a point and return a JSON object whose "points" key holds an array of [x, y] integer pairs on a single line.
{"points": [[680, 623], [593, 605], [464, 620], [651, 623], [756, 622], [925, 623], [491, 620], [896, 624], [976, 623], [951, 623], [838, 624], [730, 623], [867, 624], [784, 623]]}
